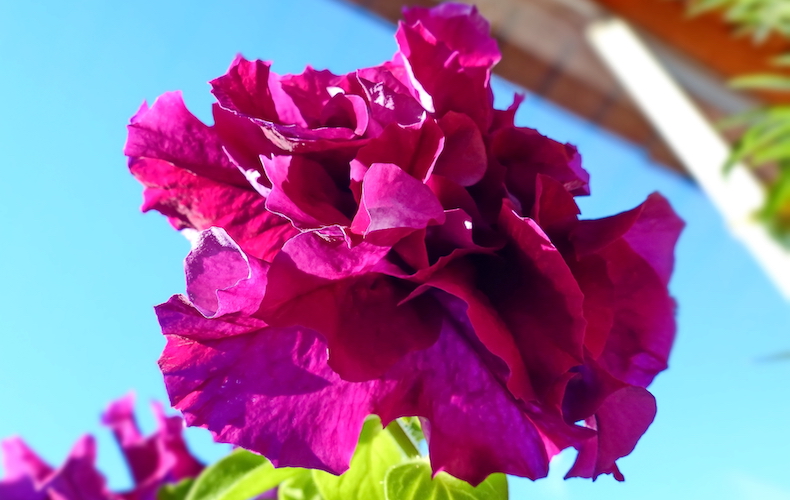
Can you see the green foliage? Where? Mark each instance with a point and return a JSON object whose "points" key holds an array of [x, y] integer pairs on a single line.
{"points": [[239, 476], [776, 212], [760, 18], [412, 481], [383, 468], [767, 141], [412, 427], [177, 491], [767, 136], [376, 453], [765, 81], [300, 487]]}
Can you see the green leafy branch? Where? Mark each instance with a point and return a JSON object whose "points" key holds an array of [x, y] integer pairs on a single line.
{"points": [[760, 18], [386, 466], [766, 137]]}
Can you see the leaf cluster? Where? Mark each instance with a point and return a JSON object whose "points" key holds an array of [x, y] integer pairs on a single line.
{"points": [[759, 18], [381, 469], [767, 141]]}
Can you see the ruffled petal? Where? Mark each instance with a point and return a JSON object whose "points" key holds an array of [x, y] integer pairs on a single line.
{"points": [[620, 421], [169, 132], [629, 278], [273, 392], [191, 201], [77, 478], [394, 204], [525, 153], [329, 287]]}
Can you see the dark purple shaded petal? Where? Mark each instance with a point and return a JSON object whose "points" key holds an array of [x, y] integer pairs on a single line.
{"points": [[393, 205], [487, 325], [555, 210], [24, 472], [651, 230], [526, 153], [169, 132], [463, 158], [537, 296], [20, 489], [348, 111], [328, 287], [190, 201], [303, 191], [272, 392], [612, 271], [425, 253], [475, 427], [589, 387], [454, 196], [620, 421]]}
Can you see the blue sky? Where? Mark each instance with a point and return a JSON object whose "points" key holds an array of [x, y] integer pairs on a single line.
{"points": [[81, 268]]}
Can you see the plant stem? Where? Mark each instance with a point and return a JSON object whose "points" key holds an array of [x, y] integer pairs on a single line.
{"points": [[402, 438]]}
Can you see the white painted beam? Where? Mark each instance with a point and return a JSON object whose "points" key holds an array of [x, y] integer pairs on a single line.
{"points": [[696, 143]]}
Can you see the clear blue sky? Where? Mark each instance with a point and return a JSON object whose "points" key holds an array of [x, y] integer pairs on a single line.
{"points": [[81, 268]]}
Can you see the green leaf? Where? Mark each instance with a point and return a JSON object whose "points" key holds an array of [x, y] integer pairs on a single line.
{"points": [[761, 140], [300, 487], [177, 491], [412, 427], [412, 481], [761, 82], [239, 476], [376, 452], [781, 61]]}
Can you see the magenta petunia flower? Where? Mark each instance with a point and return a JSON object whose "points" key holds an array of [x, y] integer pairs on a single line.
{"points": [[159, 459], [386, 242]]}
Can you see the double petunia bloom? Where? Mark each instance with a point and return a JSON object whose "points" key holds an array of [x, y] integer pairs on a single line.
{"points": [[386, 242], [154, 461]]}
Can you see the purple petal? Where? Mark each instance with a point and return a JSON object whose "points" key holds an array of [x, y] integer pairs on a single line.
{"points": [[537, 296], [190, 201], [272, 391], [77, 478], [462, 28], [394, 204], [154, 460], [390, 101], [444, 78], [616, 275], [526, 153], [19, 461], [463, 158], [249, 88], [329, 287], [304, 192], [169, 132], [620, 421], [412, 148]]}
